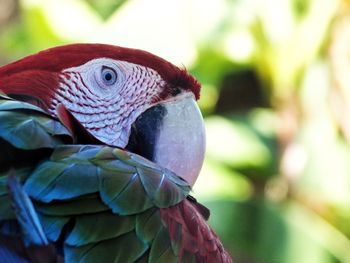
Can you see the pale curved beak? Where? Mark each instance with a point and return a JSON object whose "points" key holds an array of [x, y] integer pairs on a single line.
{"points": [[172, 134]]}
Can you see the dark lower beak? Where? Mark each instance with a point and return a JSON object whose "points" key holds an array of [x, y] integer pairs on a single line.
{"points": [[172, 135]]}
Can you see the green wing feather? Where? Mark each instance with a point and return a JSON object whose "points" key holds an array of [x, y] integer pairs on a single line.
{"points": [[161, 250], [101, 203], [77, 170], [27, 127]]}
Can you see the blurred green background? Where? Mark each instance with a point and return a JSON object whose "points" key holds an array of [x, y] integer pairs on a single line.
{"points": [[275, 80]]}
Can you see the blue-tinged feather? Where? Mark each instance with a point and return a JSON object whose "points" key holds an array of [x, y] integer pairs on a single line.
{"points": [[32, 231], [53, 226]]}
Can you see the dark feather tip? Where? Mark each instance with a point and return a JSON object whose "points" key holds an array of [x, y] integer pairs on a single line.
{"points": [[204, 211]]}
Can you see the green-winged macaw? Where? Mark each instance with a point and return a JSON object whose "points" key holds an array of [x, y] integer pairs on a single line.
{"points": [[99, 148]]}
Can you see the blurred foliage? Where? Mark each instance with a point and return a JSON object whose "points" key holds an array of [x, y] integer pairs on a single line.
{"points": [[276, 99], [105, 8]]}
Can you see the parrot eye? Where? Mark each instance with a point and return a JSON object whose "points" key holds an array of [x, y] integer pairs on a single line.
{"points": [[109, 76]]}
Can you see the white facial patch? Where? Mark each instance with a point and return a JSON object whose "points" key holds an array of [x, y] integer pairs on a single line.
{"points": [[105, 106]]}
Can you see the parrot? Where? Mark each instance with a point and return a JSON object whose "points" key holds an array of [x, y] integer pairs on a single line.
{"points": [[100, 148]]}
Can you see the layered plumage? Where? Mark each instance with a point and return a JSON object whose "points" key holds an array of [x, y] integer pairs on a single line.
{"points": [[73, 124]]}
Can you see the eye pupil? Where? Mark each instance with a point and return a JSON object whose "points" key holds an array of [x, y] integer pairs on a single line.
{"points": [[109, 76]]}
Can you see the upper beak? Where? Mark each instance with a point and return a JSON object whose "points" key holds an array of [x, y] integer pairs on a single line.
{"points": [[172, 135]]}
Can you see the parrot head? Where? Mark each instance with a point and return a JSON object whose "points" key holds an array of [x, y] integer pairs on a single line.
{"points": [[117, 96]]}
